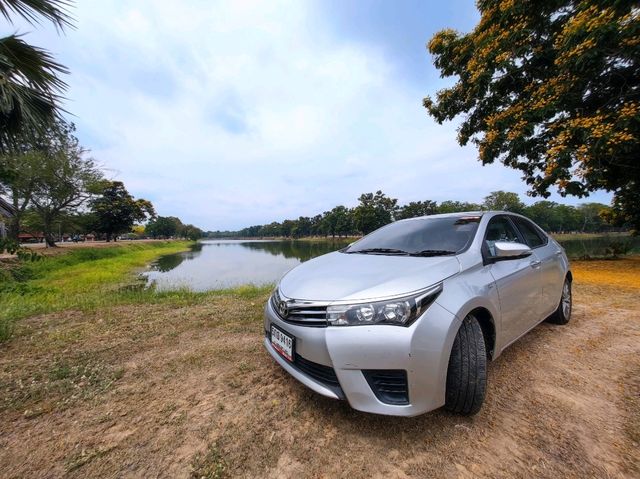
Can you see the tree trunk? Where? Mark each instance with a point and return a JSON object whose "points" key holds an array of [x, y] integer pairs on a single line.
{"points": [[51, 241], [48, 234], [14, 228]]}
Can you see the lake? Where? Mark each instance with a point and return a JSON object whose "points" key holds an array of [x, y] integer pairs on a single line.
{"points": [[217, 264]]}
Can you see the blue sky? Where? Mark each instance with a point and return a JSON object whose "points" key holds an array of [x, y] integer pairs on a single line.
{"points": [[229, 114]]}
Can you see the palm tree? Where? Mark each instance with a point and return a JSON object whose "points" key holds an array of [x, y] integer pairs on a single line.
{"points": [[30, 83]]}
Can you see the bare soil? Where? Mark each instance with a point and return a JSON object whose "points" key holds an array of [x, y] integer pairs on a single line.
{"points": [[164, 391]]}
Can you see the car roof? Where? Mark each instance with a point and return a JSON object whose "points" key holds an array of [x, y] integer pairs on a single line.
{"points": [[462, 214]]}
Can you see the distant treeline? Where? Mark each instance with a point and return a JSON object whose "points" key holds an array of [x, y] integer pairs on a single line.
{"points": [[376, 209]]}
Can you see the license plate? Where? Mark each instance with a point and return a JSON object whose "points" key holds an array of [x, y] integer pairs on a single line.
{"points": [[282, 342]]}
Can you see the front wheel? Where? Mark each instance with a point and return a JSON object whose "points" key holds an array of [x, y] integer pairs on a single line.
{"points": [[467, 373], [562, 315]]}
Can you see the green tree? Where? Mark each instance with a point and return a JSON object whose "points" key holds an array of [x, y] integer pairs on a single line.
{"points": [[116, 211], [374, 211], [625, 210], [30, 86], [287, 227], [302, 227], [338, 221], [21, 177], [450, 206], [503, 200], [551, 88], [417, 208], [65, 178], [164, 227], [570, 218], [191, 232], [592, 216]]}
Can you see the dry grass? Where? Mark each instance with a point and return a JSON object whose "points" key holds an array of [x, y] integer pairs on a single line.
{"points": [[181, 387]]}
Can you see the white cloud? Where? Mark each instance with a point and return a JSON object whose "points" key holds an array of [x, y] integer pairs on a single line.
{"points": [[234, 113]]}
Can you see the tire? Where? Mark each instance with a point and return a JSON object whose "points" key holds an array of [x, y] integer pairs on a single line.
{"points": [[467, 373], [562, 314]]}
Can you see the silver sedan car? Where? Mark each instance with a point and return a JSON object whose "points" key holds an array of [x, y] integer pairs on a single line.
{"points": [[404, 320]]}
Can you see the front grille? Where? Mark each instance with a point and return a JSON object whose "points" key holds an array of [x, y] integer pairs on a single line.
{"points": [[389, 385], [304, 313]]}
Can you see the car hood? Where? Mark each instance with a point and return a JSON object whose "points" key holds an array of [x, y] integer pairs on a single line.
{"points": [[339, 276]]}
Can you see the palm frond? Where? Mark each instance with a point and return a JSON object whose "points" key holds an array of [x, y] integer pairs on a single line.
{"points": [[56, 11], [30, 87]]}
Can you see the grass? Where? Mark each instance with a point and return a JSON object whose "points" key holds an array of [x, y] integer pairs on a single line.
{"points": [[210, 465], [81, 279]]}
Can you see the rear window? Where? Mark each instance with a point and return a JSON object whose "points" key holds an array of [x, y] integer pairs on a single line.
{"points": [[532, 235]]}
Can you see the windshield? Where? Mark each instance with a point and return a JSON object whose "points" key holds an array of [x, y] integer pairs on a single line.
{"points": [[420, 237]]}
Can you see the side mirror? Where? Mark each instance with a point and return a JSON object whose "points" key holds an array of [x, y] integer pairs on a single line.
{"points": [[506, 250]]}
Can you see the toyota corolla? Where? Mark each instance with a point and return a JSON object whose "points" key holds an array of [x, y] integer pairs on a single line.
{"points": [[404, 320]]}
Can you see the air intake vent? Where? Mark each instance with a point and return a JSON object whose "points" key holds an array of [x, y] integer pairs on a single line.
{"points": [[389, 385]]}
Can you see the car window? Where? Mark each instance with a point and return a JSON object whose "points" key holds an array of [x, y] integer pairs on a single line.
{"points": [[449, 234], [532, 235], [500, 229]]}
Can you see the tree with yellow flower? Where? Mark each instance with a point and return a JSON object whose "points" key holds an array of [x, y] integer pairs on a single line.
{"points": [[551, 88]]}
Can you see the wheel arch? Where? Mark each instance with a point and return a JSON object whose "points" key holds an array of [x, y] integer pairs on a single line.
{"points": [[488, 326]]}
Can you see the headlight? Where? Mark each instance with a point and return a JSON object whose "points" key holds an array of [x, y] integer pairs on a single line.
{"points": [[400, 312]]}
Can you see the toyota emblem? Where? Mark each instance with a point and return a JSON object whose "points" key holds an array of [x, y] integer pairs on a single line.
{"points": [[282, 309]]}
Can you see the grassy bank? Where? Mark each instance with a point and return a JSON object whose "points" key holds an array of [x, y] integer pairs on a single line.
{"points": [[82, 279]]}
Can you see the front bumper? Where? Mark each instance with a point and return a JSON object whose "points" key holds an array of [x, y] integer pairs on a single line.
{"points": [[422, 350]]}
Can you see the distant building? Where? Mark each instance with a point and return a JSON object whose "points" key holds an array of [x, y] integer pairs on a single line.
{"points": [[6, 212]]}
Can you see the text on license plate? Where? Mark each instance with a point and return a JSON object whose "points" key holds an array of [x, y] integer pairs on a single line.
{"points": [[282, 342]]}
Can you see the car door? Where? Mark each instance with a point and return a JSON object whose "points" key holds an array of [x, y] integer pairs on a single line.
{"points": [[517, 280], [551, 268]]}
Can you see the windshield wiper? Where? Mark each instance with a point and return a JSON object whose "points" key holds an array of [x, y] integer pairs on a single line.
{"points": [[380, 251], [433, 252]]}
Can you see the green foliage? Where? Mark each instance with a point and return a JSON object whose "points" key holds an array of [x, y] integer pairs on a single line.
{"points": [[172, 227], [417, 208], [625, 211], [116, 211], [31, 86], [374, 211], [503, 200], [338, 221], [163, 227], [11, 246], [450, 206], [550, 88], [65, 179]]}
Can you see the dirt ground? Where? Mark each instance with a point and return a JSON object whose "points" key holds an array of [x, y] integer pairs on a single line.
{"points": [[165, 391]]}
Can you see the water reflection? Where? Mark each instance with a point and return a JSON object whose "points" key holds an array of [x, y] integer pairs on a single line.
{"points": [[171, 261], [227, 263]]}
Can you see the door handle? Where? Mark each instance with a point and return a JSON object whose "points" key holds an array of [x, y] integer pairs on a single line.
{"points": [[535, 263], [558, 253]]}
